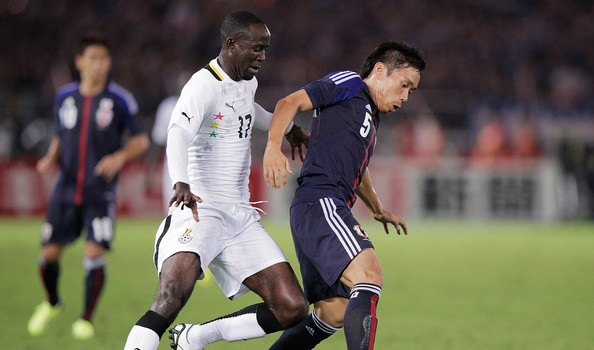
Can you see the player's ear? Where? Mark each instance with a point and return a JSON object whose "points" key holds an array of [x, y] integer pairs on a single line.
{"points": [[380, 70], [77, 63], [230, 43]]}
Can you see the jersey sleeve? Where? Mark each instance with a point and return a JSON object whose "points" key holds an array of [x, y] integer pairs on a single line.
{"points": [[334, 88], [198, 98], [129, 106]]}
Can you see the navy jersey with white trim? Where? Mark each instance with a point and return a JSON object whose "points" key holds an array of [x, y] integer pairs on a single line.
{"points": [[342, 138], [90, 127]]}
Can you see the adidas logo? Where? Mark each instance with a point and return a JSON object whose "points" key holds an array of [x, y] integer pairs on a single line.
{"points": [[310, 330]]}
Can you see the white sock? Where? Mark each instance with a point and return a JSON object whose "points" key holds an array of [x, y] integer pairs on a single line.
{"points": [[240, 327], [141, 338]]}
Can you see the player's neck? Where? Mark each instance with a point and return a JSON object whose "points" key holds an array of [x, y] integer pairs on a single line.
{"points": [[91, 88]]}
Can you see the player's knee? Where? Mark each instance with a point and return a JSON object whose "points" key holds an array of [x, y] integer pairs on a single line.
{"points": [[363, 276], [295, 308], [373, 277]]}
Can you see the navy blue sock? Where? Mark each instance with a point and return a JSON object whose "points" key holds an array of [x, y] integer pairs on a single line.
{"points": [[360, 320], [94, 282], [305, 335], [49, 275]]}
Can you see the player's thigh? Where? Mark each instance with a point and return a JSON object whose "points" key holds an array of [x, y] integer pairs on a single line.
{"points": [[330, 238], [180, 270], [275, 283], [246, 254], [63, 223], [179, 232], [364, 268]]}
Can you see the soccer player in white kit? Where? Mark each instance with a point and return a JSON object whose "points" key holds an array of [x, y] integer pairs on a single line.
{"points": [[211, 222]]}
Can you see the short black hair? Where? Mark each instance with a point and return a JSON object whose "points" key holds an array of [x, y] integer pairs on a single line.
{"points": [[394, 54], [91, 39], [236, 23]]}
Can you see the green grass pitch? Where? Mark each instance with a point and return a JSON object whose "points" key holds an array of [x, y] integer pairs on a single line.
{"points": [[448, 285]]}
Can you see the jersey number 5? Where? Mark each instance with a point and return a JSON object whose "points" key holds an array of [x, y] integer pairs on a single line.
{"points": [[247, 119], [364, 131]]}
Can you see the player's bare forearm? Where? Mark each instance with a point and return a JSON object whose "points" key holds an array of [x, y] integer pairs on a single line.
{"points": [[51, 157], [284, 113], [367, 194], [136, 146], [111, 164], [275, 164]]}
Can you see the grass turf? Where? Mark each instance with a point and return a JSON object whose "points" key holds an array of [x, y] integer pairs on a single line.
{"points": [[448, 285]]}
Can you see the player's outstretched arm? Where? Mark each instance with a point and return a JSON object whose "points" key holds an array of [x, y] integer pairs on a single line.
{"points": [[367, 193], [275, 164]]}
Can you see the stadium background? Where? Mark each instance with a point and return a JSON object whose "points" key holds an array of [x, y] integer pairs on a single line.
{"points": [[505, 80]]}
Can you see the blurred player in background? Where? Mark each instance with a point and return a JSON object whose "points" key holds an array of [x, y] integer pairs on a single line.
{"points": [[92, 117], [341, 273], [159, 133], [211, 222], [159, 138]]}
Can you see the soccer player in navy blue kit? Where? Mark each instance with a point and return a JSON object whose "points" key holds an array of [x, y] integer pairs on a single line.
{"points": [[92, 116], [341, 273]]}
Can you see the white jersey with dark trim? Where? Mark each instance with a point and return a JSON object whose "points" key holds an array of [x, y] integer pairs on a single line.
{"points": [[219, 114]]}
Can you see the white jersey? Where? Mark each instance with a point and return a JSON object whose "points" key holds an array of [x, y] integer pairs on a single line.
{"points": [[219, 114]]}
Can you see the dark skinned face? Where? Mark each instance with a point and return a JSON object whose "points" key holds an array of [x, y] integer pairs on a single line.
{"points": [[247, 52]]}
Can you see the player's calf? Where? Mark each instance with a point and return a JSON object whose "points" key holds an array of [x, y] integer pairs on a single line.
{"points": [[360, 320]]}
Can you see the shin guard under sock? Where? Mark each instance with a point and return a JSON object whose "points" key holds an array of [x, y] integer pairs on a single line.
{"points": [[360, 320]]}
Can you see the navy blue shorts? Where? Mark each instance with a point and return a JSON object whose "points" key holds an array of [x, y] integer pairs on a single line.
{"points": [[327, 238], [65, 222]]}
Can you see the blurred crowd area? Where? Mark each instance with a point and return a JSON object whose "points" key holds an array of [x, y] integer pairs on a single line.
{"points": [[505, 78]]}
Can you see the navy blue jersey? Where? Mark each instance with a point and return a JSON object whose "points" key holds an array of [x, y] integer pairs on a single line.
{"points": [[343, 136], [90, 127]]}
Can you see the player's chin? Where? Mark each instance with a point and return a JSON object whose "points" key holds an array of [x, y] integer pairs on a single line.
{"points": [[248, 76]]}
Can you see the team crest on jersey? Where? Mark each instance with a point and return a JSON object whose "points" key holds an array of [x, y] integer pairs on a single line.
{"points": [[104, 114], [360, 231], [68, 113], [185, 237]]}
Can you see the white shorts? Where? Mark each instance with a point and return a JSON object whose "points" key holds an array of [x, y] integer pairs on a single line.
{"points": [[228, 238]]}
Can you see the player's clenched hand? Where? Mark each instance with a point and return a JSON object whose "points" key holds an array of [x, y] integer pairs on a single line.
{"points": [[298, 137], [184, 196], [110, 165], [275, 167], [385, 217]]}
